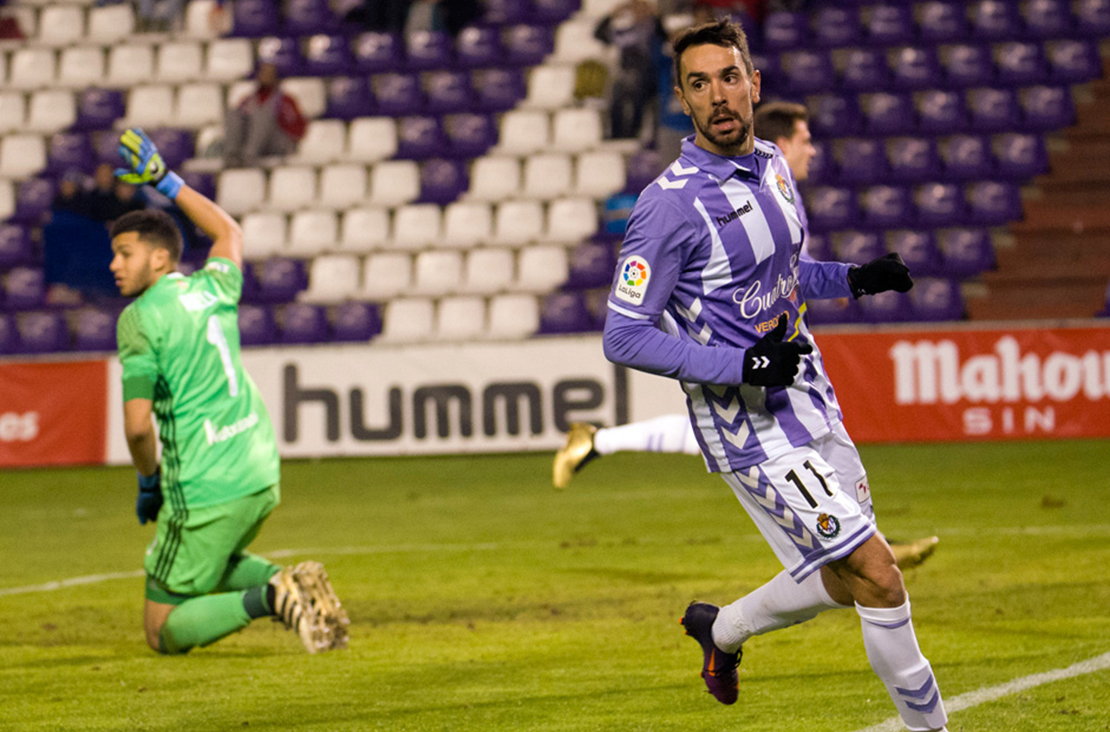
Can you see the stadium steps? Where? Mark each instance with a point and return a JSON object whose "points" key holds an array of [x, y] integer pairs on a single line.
{"points": [[1059, 263]]}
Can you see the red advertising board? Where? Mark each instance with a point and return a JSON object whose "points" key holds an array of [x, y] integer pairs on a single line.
{"points": [[53, 413], [968, 384]]}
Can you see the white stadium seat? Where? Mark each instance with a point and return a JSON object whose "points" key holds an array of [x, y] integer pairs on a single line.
{"points": [[324, 142], [150, 105], [180, 61], [599, 8], [238, 91], [7, 199], [310, 93], [438, 273], [291, 188], [524, 131], [416, 226], [240, 190], [51, 110], [228, 59], [488, 271], [467, 224], [408, 320], [110, 23], [575, 42], [571, 220], [547, 175], [13, 111], [32, 68], [81, 66], [332, 278], [494, 178], [599, 174], [386, 275], [370, 139], [541, 269], [61, 25], [513, 316], [264, 234], [130, 64], [394, 182], [199, 104], [22, 155], [342, 185], [517, 223], [550, 87], [312, 232], [575, 130], [197, 14], [364, 230], [461, 318]]}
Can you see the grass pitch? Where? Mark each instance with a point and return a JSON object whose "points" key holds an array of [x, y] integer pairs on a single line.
{"points": [[481, 599]]}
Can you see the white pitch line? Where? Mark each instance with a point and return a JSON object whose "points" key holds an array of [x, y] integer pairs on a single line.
{"points": [[990, 693]]}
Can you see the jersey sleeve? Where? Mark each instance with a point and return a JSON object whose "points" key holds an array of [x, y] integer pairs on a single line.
{"points": [[651, 258], [226, 278], [136, 356], [823, 280]]}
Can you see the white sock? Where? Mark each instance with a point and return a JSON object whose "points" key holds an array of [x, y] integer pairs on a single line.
{"points": [[895, 656], [671, 433], [780, 603]]}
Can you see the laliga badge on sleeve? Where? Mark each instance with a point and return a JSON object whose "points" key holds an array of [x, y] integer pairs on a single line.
{"points": [[633, 280]]}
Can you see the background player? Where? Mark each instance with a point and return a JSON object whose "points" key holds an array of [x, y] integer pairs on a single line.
{"points": [[218, 478], [787, 125], [709, 285]]}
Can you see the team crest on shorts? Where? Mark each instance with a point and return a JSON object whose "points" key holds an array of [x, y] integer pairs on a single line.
{"points": [[828, 526], [784, 188]]}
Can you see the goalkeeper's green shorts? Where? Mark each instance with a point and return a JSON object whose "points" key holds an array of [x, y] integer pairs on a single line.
{"points": [[190, 552]]}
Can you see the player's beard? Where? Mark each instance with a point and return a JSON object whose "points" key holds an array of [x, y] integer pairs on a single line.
{"points": [[729, 143], [140, 283]]}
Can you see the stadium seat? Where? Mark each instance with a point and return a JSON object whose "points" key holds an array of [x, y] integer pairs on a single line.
{"points": [[81, 66], [416, 226], [51, 110], [327, 55], [643, 167], [524, 132], [1020, 156], [967, 65], [831, 312], [255, 18], [914, 69], [110, 24], [513, 316], [966, 157], [1021, 64], [291, 188], [398, 94], [428, 49], [348, 97], [33, 198], [98, 109], [832, 208], [241, 190], [332, 278], [15, 245], [547, 175], [32, 68], [377, 52], [1092, 18], [1046, 108], [940, 204], [264, 234], [355, 321], [564, 312], [150, 105], [865, 69], [995, 20], [364, 230], [198, 104], [256, 325], [342, 185], [993, 110], [175, 145], [460, 318], [933, 299], [1044, 19], [324, 142], [469, 135], [993, 203], [42, 332], [517, 223], [1073, 61], [302, 323], [808, 71], [448, 91], [310, 93], [822, 166], [394, 182], [861, 161], [478, 47], [22, 155], [488, 271], [913, 159], [550, 87], [130, 65], [890, 25], [94, 330], [785, 30], [918, 250], [528, 45], [370, 139], [312, 232], [830, 114], [408, 320], [888, 114], [438, 272], [228, 59], [442, 181], [7, 199], [467, 224], [24, 288], [498, 90], [553, 12], [308, 17], [575, 130], [886, 207], [197, 19], [179, 61], [283, 53], [541, 269], [599, 174], [61, 25], [9, 335], [386, 275], [590, 265], [569, 220], [836, 26], [420, 137], [13, 111], [940, 110], [884, 307], [279, 279], [494, 178], [966, 252]]}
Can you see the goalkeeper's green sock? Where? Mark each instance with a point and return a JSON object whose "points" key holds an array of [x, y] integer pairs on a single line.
{"points": [[205, 620], [244, 571]]}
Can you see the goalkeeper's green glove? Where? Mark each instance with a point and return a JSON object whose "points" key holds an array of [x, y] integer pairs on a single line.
{"points": [[146, 164]]}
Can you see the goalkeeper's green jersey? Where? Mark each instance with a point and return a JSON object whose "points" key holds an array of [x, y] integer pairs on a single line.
{"points": [[179, 347]]}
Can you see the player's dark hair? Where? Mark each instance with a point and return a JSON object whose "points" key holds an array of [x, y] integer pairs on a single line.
{"points": [[156, 228], [775, 120], [723, 33]]}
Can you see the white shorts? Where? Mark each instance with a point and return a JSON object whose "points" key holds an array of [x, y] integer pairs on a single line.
{"points": [[812, 504]]}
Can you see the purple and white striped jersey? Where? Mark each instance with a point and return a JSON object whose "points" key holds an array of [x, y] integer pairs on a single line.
{"points": [[710, 260]]}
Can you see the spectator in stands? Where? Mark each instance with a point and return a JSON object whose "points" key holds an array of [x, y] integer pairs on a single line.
{"points": [[267, 122], [71, 194], [380, 15], [439, 15], [635, 30], [109, 198]]}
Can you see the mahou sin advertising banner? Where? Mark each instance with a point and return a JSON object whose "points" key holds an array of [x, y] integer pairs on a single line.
{"points": [[932, 385]]}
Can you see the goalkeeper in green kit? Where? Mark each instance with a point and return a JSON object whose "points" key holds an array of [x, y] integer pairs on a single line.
{"points": [[218, 478]]}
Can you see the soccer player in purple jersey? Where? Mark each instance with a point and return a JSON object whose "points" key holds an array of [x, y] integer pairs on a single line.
{"points": [[708, 291]]}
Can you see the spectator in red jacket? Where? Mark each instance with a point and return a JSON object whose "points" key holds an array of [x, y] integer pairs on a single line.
{"points": [[268, 122]]}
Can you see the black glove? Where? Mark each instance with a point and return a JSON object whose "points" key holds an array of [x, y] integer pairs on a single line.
{"points": [[771, 362], [888, 272], [149, 501]]}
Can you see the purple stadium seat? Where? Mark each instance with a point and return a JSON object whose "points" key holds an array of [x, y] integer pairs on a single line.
{"points": [[1047, 107], [32, 200], [770, 69], [918, 250], [860, 161], [204, 183], [442, 181], [355, 321], [913, 160], [377, 52], [449, 91], [420, 137], [398, 94], [98, 109], [506, 12], [1021, 64], [70, 151], [1073, 61], [469, 135], [785, 31], [256, 325], [940, 204], [822, 167], [857, 247], [1020, 156], [995, 20], [886, 207], [885, 307], [915, 68], [888, 114], [591, 265], [553, 11], [966, 157], [933, 299], [890, 25], [426, 50], [300, 323], [940, 110], [643, 166], [968, 65], [527, 45], [348, 97], [478, 46], [308, 17], [1092, 18], [175, 145], [831, 114], [836, 26], [24, 288], [9, 335], [255, 18], [565, 312], [831, 312], [95, 330], [819, 247], [966, 252], [284, 53], [42, 332], [1048, 19], [865, 69], [327, 55], [993, 110], [498, 90], [250, 284], [991, 203], [832, 208], [807, 72], [279, 280], [15, 245], [943, 21], [106, 147]]}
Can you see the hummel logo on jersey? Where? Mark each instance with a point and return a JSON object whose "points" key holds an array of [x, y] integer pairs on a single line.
{"points": [[722, 220]]}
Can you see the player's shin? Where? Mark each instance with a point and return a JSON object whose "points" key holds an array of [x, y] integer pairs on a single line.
{"points": [[203, 620], [246, 570], [892, 649]]}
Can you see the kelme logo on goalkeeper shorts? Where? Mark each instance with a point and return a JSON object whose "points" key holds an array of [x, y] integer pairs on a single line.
{"points": [[633, 280], [828, 526]]}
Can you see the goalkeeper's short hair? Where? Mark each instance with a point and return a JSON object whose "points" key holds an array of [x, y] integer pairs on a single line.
{"points": [[156, 228]]}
